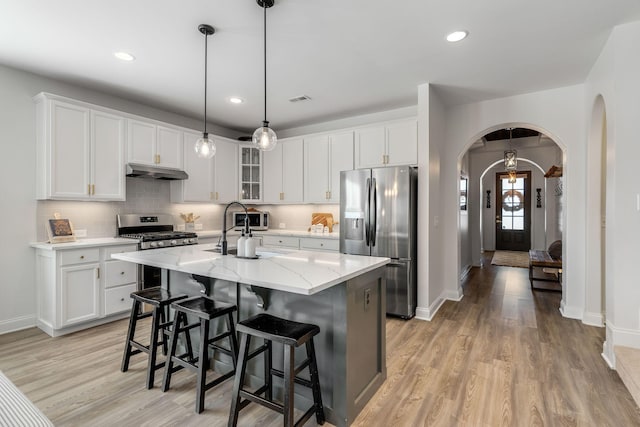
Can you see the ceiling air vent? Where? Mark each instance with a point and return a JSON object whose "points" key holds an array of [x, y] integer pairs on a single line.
{"points": [[299, 98]]}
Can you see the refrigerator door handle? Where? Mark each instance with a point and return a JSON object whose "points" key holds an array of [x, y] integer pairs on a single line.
{"points": [[367, 211], [374, 210]]}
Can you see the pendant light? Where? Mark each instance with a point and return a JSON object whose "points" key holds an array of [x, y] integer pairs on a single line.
{"points": [[510, 156], [205, 147], [264, 138]]}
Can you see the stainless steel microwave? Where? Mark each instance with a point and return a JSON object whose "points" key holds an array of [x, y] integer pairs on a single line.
{"points": [[257, 220]]}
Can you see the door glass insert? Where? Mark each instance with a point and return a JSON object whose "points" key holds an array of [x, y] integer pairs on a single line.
{"points": [[513, 204]]}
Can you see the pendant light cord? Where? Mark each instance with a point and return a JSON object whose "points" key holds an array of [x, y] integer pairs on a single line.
{"points": [[206, 36], [264, 7]]}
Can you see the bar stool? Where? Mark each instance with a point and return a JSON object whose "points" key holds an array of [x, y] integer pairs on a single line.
{"points": [[291, 335], [205, 309], [160, 299]]}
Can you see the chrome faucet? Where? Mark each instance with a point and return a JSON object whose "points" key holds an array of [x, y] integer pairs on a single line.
{"points": [[224, 224]]}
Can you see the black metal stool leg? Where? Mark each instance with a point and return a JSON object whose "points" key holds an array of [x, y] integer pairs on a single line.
{"points": [[233, 341], [168, 368], [133, 319], [238, 381], [289, 367], [164, 315], [315, 382], [268, 376], [153, 347], [203, 365]]}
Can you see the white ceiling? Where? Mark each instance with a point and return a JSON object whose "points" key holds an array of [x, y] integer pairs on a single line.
{"points": [[350, 56]]}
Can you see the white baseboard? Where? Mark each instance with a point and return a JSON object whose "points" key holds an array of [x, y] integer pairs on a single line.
{"points": [[427, 313], [622, 336], [608, 355], [593, 319], [570, 312], [17, 324]]}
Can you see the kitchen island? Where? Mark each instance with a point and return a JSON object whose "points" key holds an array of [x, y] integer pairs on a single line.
{"points": [[343, 294]]}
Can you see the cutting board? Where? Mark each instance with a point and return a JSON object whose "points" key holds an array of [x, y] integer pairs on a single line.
{"points": [[326, 219]]}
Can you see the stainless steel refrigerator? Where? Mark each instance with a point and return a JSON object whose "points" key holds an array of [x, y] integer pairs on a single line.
{"points": [[378, 217]]}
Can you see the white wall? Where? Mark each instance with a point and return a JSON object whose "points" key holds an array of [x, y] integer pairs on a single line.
{"points": [[18, 207], [615, 77], [557, 113]]}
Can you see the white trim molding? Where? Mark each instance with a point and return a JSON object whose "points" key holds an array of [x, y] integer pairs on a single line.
{"points": [[618, 337], [428, 313], [570, 312], [593, 319], [17, 324]]}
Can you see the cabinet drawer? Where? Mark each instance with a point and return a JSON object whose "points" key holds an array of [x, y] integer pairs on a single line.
{"points": [[118, 250], [281, 241], [119, 273], [79, 256], [117, 300], [319, 244]]}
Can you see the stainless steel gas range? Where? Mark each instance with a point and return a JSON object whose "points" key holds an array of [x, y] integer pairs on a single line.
{"points": [[152, 231]]}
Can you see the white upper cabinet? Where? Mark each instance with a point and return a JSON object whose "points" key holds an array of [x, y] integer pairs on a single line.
{"points": [[325, 156], [151, 144], [199, 187], [80, 151], [170, 147], [107, 156], [283, 172], [250, 171], [210, 180], [226, 170], [389, 144]]}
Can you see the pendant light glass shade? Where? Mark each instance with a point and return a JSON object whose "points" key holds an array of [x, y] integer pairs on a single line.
{"points": [[205, 147], [264, 138]]}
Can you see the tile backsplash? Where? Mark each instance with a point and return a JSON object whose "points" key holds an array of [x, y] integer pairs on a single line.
{"points": [[153, 196]]}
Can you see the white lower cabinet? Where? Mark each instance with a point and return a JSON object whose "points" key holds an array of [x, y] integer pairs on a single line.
{"points": [[304, 243], [120, 279], [79, 293], [280, 241], [314, 244], [79, 288]]}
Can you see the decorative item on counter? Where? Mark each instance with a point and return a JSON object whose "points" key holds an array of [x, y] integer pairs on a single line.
{"points": [[250, 246], [241, 246], [60, 230], [189, 221], [322, 219]]}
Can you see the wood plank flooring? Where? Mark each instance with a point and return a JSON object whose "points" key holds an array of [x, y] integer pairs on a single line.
{"points": [[503, 356]]}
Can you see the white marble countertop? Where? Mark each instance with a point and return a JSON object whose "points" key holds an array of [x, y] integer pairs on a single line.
{"points": [[84, 243], [300, 272], [274, 232]]}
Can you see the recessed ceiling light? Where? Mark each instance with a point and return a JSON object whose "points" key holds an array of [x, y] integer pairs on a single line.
{"points": [[124, 56], [236, 100], [456, 36]]}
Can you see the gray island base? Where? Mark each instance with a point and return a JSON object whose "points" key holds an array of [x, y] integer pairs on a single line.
{"points": [[350, 348]]}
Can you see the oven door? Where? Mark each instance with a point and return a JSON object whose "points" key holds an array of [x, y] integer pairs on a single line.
{"points": [[148, 276]]}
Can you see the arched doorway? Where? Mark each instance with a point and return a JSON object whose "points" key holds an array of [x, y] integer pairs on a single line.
{"points": [[547, 197]]}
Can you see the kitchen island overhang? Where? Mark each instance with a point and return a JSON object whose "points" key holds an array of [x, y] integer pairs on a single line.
{"points": [[343, 294]]}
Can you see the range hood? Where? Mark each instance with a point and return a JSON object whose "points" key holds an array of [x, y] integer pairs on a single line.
{"points": [[154, 172]]}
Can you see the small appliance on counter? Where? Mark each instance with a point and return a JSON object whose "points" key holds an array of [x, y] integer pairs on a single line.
{"points": [[258, 220]]}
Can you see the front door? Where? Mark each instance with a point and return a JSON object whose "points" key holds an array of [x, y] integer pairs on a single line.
{"points": [[513, 205]]}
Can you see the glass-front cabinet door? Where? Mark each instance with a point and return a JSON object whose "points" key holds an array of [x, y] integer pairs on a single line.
{"points": [[250, 174]]}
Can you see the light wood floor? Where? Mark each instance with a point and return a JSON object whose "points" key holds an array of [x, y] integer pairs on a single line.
{"points": [[501, 356]]}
